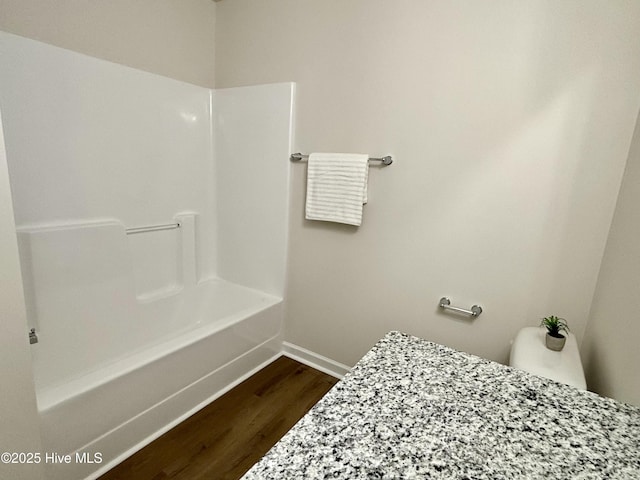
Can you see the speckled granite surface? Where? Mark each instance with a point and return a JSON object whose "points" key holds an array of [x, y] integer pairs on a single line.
{"points": [[415, 409]]}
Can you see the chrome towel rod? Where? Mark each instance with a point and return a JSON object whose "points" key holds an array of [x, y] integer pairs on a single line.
{"points": [[445, 303], [152, 228], [296, 157]]}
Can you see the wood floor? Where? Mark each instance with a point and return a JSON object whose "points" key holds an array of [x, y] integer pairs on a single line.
{"points": [[223, 440]]}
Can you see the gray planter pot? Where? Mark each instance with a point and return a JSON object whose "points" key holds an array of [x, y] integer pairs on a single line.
{"points": [[555, 343]]}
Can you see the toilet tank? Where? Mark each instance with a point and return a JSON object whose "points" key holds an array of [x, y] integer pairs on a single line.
{"points": [[529, 353]]}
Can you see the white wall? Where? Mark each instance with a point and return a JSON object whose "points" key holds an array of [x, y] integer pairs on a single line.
{"points": [[610, 348], [252, 137], [509, 123], [19, 416], [89, 139], [168, 37]]}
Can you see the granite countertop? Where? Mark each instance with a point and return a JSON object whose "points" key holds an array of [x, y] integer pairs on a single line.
{"points": [[415, 409]]}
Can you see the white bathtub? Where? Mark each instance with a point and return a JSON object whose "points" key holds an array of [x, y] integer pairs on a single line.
{"points": [[227, 333], [121, 356]]}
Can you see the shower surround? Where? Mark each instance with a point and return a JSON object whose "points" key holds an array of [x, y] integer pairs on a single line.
{"points": [[138, 330]]}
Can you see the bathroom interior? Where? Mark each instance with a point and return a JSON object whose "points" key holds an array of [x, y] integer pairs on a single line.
{"points": [[154, 225]]}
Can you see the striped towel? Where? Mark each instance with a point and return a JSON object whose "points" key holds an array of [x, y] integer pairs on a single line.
{"points": [[337, 187]]}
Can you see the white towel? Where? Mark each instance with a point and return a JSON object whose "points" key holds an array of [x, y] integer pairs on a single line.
{"points": [[337, 187]]}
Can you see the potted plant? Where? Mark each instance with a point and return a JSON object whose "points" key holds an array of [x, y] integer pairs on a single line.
{"points": [[554, 325]]}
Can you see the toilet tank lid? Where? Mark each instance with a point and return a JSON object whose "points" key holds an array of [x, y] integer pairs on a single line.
{"points": [[529, 353]]}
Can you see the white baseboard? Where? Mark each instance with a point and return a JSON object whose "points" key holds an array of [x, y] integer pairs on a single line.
{"points": [[257, 359], [313, 360]]}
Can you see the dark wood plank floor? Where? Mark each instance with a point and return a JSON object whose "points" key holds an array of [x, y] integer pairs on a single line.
{"points": [[223, 440]]}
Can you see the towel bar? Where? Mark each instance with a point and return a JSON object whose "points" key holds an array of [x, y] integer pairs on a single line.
{"points": [[295, 157], [445, 304]]}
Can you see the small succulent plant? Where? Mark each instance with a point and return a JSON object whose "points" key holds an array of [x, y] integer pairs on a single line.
{"points": [[555, 325]]}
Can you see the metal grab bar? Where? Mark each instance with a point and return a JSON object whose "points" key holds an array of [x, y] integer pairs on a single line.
{"points": [[296, 157], [152, 228], [445, 303]]}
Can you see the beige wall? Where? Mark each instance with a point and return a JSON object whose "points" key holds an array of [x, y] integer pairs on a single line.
{"points": [[510, 124], [173, 38], [610, 348]]}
